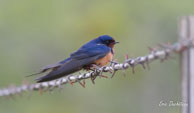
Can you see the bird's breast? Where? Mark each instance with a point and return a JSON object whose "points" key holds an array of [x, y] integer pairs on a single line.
{"points": [[105, 60]]}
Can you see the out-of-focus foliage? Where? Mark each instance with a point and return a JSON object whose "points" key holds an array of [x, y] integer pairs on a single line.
{"points": [[34, 33]]}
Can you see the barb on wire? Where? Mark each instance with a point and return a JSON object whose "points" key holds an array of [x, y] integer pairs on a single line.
{"points": [[162, 55]]}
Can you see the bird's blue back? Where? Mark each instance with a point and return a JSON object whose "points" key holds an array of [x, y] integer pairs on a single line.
{"points": [[91, 48]]}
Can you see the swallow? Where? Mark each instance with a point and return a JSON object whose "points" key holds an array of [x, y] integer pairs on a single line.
{"points": [[99, 52]]}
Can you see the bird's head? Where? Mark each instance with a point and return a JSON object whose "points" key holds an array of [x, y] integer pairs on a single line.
{"points": [[107, 40]]}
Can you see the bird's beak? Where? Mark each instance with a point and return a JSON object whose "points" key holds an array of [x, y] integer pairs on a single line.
{"points": [[115, 42]]}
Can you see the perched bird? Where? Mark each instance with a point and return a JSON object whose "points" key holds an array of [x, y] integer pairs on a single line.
{"points": [[98, 51]]}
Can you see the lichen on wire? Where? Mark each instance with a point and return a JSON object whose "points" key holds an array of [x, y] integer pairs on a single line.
{"points": [[155, 54]]}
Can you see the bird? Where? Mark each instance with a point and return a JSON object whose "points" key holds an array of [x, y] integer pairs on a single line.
{"points": [[97, 52]]}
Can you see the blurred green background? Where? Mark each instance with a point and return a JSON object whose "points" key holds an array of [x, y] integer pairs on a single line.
{"points": [[35, 33]]}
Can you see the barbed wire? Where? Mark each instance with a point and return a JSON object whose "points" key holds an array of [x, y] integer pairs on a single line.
{"points": [[163, 54]]}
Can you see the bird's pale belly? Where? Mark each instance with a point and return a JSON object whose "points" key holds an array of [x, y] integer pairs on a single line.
{"points": [[105, 60]]}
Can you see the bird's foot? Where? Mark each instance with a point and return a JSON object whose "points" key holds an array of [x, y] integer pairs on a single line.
{"points": [[91, 67], [94, 67], [87, 67]]}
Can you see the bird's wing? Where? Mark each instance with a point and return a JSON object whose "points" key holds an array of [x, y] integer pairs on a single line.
{"points": [[90, 52], [77, 60]]}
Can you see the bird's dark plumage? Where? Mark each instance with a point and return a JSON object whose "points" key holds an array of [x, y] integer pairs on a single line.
{"points": [[84, 56]]}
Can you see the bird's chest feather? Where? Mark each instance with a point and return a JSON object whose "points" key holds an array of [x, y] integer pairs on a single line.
{"points": [[105, 60]]}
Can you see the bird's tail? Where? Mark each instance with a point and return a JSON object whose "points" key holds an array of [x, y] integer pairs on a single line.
{"points": [[46, 68], [34, 74]]}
